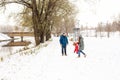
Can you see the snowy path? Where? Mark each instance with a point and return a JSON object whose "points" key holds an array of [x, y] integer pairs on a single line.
{"points": [[102, 63]]}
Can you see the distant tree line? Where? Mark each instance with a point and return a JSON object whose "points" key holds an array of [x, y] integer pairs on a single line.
{"points": [[6, 28], [101, 28], [109, 27]]}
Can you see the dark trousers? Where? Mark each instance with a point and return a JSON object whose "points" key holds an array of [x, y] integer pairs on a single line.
{"points": [[64, 50], [80, 51]]}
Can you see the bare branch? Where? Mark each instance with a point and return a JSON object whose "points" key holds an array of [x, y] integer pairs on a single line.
{"points": [[22, 2]]}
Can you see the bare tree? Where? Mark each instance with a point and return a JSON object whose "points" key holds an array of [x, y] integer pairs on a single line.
{"points": [[99, 29], [108, 29], [42, 14]]}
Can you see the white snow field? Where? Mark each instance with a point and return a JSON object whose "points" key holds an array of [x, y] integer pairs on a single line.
{"points": [[102, 62], [3, 37], [2, 42]]}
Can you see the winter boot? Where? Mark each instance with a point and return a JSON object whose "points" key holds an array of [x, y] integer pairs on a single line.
{"points": [[85, 56], [78, 56]]}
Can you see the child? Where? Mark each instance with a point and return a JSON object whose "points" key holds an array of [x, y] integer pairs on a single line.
{"points": [[76, 47]]}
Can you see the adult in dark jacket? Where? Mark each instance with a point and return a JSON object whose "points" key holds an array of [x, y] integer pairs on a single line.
{"points": [[63, 41], [81, 46]]}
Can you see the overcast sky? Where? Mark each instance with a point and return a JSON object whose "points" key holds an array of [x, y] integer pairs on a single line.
{"points": [[90, 13], [10, 9]]}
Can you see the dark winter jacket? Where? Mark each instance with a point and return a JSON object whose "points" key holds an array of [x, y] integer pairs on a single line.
{"points": [[81, 43], [63, 40]]}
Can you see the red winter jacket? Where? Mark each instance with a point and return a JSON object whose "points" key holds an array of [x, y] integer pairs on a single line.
{"points": [[76, 48]]}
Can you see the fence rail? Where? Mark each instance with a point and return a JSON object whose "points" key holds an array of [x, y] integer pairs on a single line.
{"points": [[12, 34]]}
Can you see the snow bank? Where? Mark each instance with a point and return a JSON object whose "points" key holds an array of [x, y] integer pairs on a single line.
{"points": [[4, 50], [101, 63], [4, 37]]}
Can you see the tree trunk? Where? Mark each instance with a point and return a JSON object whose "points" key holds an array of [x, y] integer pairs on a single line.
{"points": [[48, 31], [108, 34], [48, 35], [35, 18], [36, 35], [42, 39]]}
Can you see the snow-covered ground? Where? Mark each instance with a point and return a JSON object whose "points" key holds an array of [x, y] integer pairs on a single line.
{"points": [[3, 37], [6, 49], [102, 62]]}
